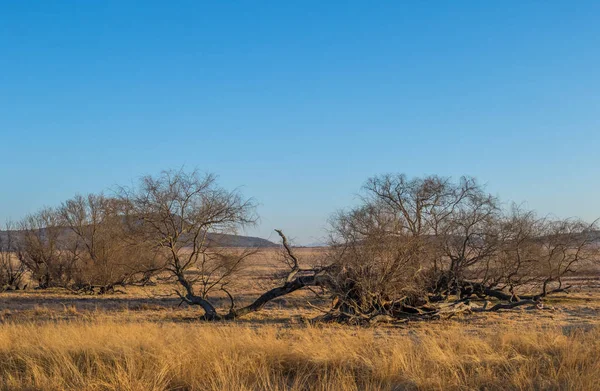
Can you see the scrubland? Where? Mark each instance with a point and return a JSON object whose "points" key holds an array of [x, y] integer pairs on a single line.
{"points": [[144, 340]]}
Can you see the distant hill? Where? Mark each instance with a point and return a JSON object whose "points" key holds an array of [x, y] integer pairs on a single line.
{"points": [[226, 240], [315, 244], [220, 240]]}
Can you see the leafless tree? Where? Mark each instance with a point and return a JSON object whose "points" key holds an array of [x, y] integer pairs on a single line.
{"points": [[44, 249], [373, 273], [11, 270], [469, 238], [452, 224], [108, 254], [381, 249], [424, 247], [418, 206], [557, 250], [514, 263], [177, 211], [533, 256]]}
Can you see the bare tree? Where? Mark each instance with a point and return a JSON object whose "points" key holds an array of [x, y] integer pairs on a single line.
{"points": [[373, 273], [452, 224], [177, 211], [424, 247], [514, 264], [11, 270], [533, 256], [45, 250], [469, 238], [560, 248], [419, 205], [108, 254]]}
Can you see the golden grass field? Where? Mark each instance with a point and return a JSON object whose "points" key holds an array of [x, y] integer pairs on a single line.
{"points": [[142, 340]]}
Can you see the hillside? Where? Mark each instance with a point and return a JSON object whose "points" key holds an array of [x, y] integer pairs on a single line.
{"points": [[215, 239]]}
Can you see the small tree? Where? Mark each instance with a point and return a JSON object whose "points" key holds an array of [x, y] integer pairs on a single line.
{"points": [[177, 212], [11, 270], [452, 225], [533, 255], [45, 250], [468, 238], [560, 248], [107, 252]]}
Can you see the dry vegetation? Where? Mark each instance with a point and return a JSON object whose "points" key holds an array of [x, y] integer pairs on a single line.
{"points": [[54, 340], [129, 292], [108, 355]]}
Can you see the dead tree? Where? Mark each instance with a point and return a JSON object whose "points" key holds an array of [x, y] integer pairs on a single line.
{"points": [[11, 270], [44, 249], [467, 238], [108, 254], [177, 212], [426, 248], [535, 255]]}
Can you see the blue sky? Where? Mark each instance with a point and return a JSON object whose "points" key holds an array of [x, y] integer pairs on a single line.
{"points": [[298, 103]]}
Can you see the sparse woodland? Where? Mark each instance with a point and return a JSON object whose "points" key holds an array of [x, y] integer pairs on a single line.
{"points": [[426, 283], [411, 249]]}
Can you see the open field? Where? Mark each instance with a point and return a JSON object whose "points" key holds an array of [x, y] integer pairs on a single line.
{"points": [[299, 196], [109, 355], [144, 339]]}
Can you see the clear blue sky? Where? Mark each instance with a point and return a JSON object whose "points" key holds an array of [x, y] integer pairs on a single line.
{"points": [[299, 103]]}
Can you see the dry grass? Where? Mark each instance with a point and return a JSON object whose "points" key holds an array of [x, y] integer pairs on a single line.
{"points": [[107, 355]]}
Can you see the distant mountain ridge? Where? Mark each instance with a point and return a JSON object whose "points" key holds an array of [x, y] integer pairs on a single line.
{"points": [[228, 240], [214, 239]]}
